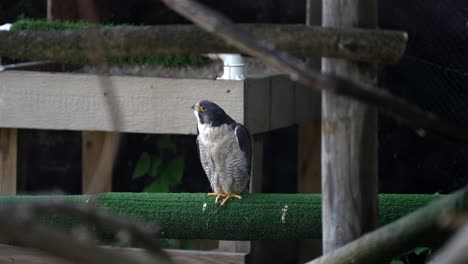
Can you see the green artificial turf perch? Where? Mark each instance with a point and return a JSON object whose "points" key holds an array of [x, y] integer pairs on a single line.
{"points": [[168, 61], [255, 217]]}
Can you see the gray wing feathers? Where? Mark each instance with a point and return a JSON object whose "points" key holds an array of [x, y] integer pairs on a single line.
{"points": [[245, 143]]}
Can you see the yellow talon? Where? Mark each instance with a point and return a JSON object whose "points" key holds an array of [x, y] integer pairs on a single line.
{"points": [[218, 195], [229, 196]]}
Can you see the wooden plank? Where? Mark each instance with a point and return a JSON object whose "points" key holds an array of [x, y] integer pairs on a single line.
{"points": [[200, 257], [349, 138], [92, 147], [63, 10], [308, 104], [8, 160], [76, 102], [257, 103], [282, 105], [309, 158], [147, 105], [13, 254], [234, 246]]}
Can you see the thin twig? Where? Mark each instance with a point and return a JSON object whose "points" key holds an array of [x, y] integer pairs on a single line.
{"points": [[411, 115]]}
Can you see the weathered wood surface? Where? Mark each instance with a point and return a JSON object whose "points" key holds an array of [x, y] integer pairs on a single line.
{"points": [[75, 102], [309, 131], [8, 160], [63, 10], [257, 104], [356, 44], [92, 147], [309, 140], [12, 254], [148, 105], [282, 106], [349, 139]]}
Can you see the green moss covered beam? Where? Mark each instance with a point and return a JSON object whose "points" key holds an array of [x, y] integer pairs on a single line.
{"points": [[255, 217], [64, 42]]}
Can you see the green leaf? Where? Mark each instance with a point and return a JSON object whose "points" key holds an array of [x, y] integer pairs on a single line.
{"points": [[188, 244], [174, 172], [397, 261], [165, 143], [157, 186], [155, 166], [168, 243], [420, 250], [142, 167]]}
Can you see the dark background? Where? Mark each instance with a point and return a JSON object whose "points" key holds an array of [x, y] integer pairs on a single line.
{"points": [[432, 74]]}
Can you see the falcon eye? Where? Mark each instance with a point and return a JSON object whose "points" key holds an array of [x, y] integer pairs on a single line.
{"points": [[202, 108]]}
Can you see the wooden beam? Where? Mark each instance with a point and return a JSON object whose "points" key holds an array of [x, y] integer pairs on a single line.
{"points": [[208, 257], [349, 138], [361, 45], [76, 102], [257, 103], [14, 254], [63, 10], [282, 101], [66, 101], [92, 148], [8, 160]]}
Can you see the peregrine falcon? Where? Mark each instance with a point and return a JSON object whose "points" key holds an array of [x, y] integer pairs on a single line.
{"points": [[225, 150]]}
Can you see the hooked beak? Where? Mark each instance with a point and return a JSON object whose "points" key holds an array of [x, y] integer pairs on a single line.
{"points": [[196, 107]]}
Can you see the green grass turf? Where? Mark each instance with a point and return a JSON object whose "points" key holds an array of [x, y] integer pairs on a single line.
{"points": [[168, 61], [255, 217]]}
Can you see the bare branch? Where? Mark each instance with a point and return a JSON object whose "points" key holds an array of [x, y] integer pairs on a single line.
{"points": [[19, 225], [420, 228], [454, 251], [411, 115], [99, 218]]}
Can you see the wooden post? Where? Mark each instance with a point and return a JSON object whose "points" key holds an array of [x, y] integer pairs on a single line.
{"points": [[63, 10], [309, 142], [8, 157], [92, 147], [349, 138], [309, 133]]}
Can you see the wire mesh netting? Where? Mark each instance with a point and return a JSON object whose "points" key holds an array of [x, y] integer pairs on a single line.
{"points": [[434, 75]]}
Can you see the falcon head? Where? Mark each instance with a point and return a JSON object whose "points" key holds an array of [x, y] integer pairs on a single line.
{"points": [[209, 113]]}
